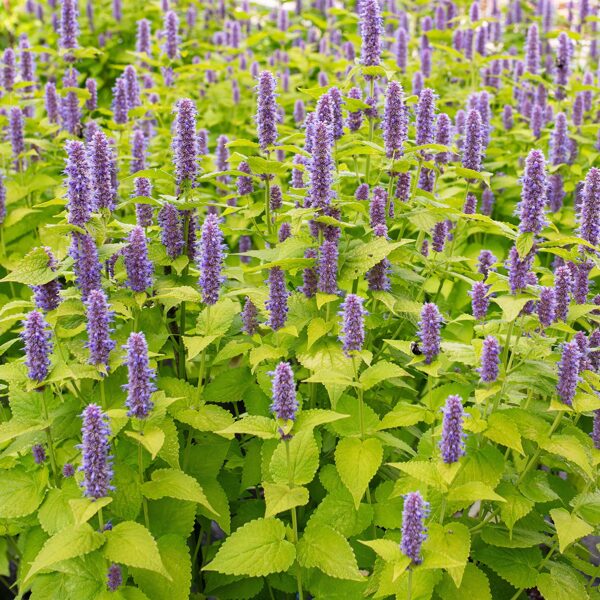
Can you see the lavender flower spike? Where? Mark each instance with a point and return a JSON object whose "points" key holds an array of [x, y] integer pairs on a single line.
{"points": [[100, 156], [473, 142], [171, 35], [139, 384], [568, 372], [278, 296], [425, 122], [86, 267], [47, 295], [370, 31], [143, 212], [95, 447], [452, 444], [352, 332], [249, 318], [171, 230], [285, 404], [321, 167], [99, 317], [490, 360], [69, 27], [480, 301], [327, 270], [266, 113], [589, 214], [531, 209], [413, 527], [532, 49], [395, 121], [185, 143], [114, 578], [137, 264], [429, 331], [210, 259], [79, 184], [39, 454], [563, 283], [38, 345], [546, 308]]}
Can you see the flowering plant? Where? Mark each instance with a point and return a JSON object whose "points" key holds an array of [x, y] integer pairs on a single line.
{"points": [[299, 302]]}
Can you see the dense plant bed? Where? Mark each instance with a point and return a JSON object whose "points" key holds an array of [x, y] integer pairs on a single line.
{"points": [[299, 302]]}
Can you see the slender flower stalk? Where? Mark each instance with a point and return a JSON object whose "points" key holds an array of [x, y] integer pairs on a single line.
{"points": [[210, 259], [95, 450], [140, 377], [413, 527], [452, 445], [352, 334]]}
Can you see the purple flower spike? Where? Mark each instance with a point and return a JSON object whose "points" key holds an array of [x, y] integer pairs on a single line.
{"points": [[138, 151], [68, 470], [210, 259], [470, 205], [143, 43], [596, 429], [355, 117], [8, 69], [285, 404], [140, 376], [568, 372], [249, 318], [377, 210], [39, 454], [120, 107], [589, 213], [336, 109], [16, 132], [51, 102], [276, 197], [429, 331], [546, 308], [562, 68], [99, 317], [362, 192], [245, 244], [413, 526], [480, 300], [143, 212], [425, 122], [443, 136], [490, 360], [185, 143], [395, 121], [472, 142], [86, 266], [79, 184], [277, 304], [401, 49], [38, 345], [559, 140], [114, 578], [285, 231], [299, 112], [532, 50], [244, 184], [100, 157], [171, 34], [439, 236], [403, 187], [171, 235], [487, 202], [95, 449], [370, 31], [321, 167], [266, 112], [518, 267], [69, 27], [327, 270], [137, 264], [452, 445], [378, 276], [531, 209], [92, 102], [563, 283], [47, 295], [309, 276], [581, 284], [352, 333]]}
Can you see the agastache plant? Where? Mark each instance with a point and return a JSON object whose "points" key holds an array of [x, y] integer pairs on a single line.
{"points": [[452, 445], [140, 377], [95, 450]]}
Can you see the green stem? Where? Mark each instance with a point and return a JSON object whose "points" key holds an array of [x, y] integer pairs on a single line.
{"points": [[102, 395], [409, 585], [101, 520], [49, 437], [371, 132], [182, 370], [294, 518], [268, 206], [144, 501], [507, 343]]}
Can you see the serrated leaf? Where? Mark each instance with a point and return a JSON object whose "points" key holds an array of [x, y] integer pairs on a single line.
{"points": [[562, 583], [474, 585], [261, 427], [326, 549], [152, 438], [280, 497], [70, 542], [303, 459], [380, 372], [21, 493], [518, 566], [256, 549], [309, 419], [404, 415], [473, 491], [569, 527], [84, 509], [447, 547], [503, 430], [170, 483], [357, 461], [131, 544]]}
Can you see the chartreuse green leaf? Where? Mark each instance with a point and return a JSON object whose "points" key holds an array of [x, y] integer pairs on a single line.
{"points": [[309, 419], [447, 547], [21, 492], [357, 462], [84, 509], [175, 555], [503, 430], [303, 459], [562, 583], [474, 585], [379, 372], [262, 427], [404, 415], [280, 497], [569, 527], [324, 548], [131, 544], [70, 542], [518, 566], [516, 506], [152, 438], [170, 483], [256, 549]]}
